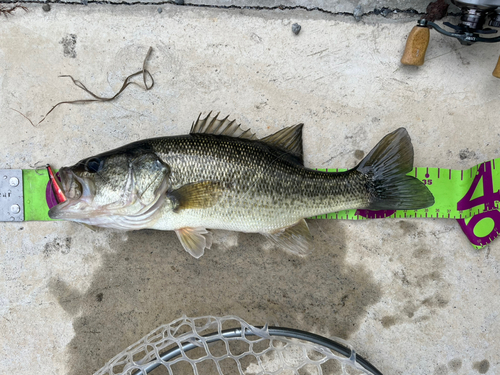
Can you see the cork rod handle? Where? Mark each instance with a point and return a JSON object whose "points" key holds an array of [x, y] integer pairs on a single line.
{"points": [[416, 46], [496, 71]]}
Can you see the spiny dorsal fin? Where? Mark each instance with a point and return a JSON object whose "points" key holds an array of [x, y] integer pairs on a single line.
{"points": [[212, 125], [288, 139]]}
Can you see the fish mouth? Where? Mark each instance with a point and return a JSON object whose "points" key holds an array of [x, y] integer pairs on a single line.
{"points": [[79, 193]]}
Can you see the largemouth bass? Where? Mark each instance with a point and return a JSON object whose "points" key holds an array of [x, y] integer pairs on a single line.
{"points": [[221, 177]]}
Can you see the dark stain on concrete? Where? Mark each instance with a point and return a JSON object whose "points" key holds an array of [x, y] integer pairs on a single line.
{"points": [[388, 321], [62, 245], [401, 275], [463, 58], [436, 300], [466, 154], [482, 367], [409, 309], [149, 280], [407, 226], [428, 278], [359, 154], [455, 364], [419, 283], [421, 253], [69, 45], [441, 370]]}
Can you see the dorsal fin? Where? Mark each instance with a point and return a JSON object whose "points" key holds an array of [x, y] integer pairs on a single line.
{"points": [[288, 139], [212, 125]]}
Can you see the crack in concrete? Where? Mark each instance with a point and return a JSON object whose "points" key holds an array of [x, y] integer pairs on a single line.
{"points": [[384, 11]]}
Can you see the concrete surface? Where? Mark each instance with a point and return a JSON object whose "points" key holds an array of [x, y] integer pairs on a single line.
{"points": [[411, 295]]}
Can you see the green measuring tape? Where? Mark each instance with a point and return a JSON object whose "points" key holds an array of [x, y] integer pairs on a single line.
{"points": [[470, 196], [36, 195]]}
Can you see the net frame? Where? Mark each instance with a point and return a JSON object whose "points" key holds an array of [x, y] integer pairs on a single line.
{"points": [[169, 344]]}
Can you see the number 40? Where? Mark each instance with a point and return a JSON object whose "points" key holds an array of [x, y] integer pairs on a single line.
{"points": [[487, 222]]}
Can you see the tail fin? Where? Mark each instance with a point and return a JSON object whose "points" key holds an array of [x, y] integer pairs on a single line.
{"points": [[386, 167]]}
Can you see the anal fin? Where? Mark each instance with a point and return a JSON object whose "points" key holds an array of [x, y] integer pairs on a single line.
{"points": [[296, 238], [195, 240]]}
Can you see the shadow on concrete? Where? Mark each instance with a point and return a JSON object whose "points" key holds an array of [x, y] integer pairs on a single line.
{"points": [[148, 280]]}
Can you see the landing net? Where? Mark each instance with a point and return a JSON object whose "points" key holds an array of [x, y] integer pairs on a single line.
{"points": [[229, 346]]}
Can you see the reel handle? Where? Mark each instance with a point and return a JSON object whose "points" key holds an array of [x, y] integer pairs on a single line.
{"points": [[416, 46], [496, 71]]}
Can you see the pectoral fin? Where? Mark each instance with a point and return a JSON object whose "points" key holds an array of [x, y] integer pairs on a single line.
{"points": [[296, 238], [202, 194], [195, 240]]}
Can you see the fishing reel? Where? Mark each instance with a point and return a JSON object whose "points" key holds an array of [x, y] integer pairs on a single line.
{"points": [[470, 30]]}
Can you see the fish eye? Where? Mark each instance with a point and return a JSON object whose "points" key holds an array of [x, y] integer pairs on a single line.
{"points": [[93, 165]]}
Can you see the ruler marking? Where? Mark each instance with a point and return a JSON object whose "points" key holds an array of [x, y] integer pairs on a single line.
{"points": [[416, 169], [450, 174], [462, 175], [493, 162], [439, 171]]}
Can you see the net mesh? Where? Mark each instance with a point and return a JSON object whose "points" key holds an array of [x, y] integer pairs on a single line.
{"points": [[183, 348]]}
